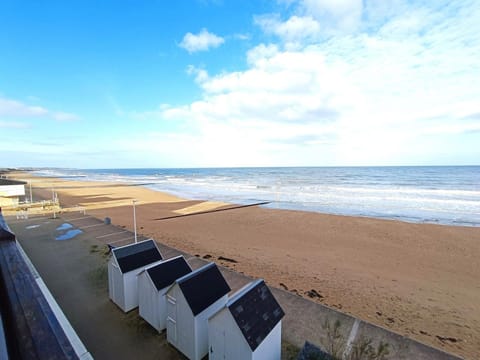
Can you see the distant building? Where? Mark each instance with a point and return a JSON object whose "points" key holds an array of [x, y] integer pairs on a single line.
{"points": [[11, 192], [191, 300], [249, 327], [123, 269]]}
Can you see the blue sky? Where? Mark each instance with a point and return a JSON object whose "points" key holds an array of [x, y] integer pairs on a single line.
{"points": [[108, 84]]}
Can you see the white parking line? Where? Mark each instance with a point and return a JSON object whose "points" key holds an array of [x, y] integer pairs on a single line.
{"points": [[80, 218], [31, 219], [89, 226], [111, 234]]}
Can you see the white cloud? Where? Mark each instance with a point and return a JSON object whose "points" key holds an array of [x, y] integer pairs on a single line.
{"points": [[202, 41], [313, 20], [17, 109], [63, 116], [13, 125], [338, 82], [242, 36], [400, 93], [294, 29], [261, 53], [200, 74], [343, 14]]}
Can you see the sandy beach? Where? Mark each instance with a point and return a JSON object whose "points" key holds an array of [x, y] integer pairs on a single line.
{"points": [[420, 280]]}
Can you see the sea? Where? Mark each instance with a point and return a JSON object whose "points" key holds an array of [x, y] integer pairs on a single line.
{"points": [[422, 194]]}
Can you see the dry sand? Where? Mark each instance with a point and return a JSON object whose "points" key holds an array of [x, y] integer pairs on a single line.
{"points": [[419, 280]]}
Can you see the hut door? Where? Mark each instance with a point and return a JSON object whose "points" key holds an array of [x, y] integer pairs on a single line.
{"points": [[172, 318], [217, 345]]}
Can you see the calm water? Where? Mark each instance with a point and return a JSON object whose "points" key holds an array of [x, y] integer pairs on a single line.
{"points": [[445, 195]]}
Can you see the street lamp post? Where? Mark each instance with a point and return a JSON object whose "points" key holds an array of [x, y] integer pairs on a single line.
{"points": [[134, 221]]}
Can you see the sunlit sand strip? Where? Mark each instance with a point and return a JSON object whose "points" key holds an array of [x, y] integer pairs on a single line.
{"points": [[203, 206], [109, 204]]}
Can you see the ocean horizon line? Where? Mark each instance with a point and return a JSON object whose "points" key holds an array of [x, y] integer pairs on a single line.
{"points": [[31, 168]]}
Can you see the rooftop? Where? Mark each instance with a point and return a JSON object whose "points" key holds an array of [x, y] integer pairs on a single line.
{"points": [[203, 287], [165, 273], [134, 256], [255, 311], [4, 182]]}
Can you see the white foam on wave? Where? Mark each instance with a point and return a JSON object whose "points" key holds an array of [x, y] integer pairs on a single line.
{"points": [[354, 195]]}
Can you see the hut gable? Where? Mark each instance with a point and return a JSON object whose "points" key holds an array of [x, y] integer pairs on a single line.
{"points": [[165, 273], [256, 312], [203, 287], [137, 255]]}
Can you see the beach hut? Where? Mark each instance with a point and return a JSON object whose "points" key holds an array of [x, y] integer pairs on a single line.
{"points": [[248, 327], [153, 284], [124, 265], [191, 300]]}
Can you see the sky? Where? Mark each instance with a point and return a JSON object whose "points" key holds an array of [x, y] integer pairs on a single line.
{"points": [[217, 83]]}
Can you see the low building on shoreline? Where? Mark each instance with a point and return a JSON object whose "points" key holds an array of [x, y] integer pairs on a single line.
{"points": [[11, 192]]}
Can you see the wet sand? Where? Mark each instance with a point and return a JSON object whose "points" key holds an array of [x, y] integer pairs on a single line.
{"points": [[420, 280]]}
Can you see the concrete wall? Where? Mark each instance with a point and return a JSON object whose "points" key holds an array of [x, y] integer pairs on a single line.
{"points": [[8, 201], [306, 320]]}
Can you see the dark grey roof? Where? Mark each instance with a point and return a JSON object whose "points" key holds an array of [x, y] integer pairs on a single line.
{"points": [[137, 255], [203, 287], [256, 312], [11, 182], [165, 273]]}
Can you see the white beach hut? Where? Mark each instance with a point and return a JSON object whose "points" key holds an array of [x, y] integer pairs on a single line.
{"points": [[191, 300], [153, 284], [248, 327], [124, 266]]}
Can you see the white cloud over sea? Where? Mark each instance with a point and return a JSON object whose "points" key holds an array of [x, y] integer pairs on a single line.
{"points": [[344, 82], [202, 41], [10, 108]]}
